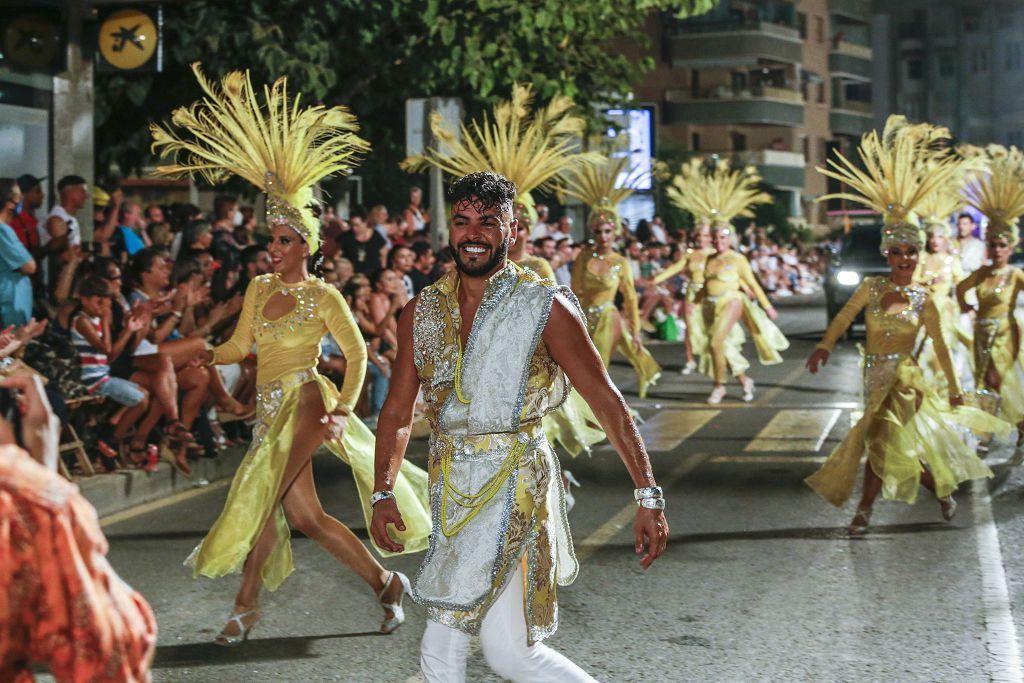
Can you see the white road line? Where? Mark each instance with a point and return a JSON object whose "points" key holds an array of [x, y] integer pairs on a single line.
{"points": [[795, 431], [1004, 662]]}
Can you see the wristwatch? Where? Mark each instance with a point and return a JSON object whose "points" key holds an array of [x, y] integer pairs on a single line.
{"points": [[378, 496]]}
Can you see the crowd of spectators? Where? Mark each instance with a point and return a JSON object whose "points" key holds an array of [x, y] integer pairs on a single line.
{"points": [[115, 326]]}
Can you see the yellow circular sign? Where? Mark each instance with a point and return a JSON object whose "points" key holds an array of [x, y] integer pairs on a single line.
{"points": [[128, 39], [31, 41]]}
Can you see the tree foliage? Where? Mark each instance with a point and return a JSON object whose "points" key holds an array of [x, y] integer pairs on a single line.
{"points": [[372, 56]]}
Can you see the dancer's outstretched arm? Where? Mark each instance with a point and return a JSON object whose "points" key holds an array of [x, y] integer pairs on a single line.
{"points": [[570, 346], [394, 426]]}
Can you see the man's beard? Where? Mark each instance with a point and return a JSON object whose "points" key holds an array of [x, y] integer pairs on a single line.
{"points": [[498, 254]]}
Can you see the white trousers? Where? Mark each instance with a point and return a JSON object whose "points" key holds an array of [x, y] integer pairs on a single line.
{"points": [[503, 639]]}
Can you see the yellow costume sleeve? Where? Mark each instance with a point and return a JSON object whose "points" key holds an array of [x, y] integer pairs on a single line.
{"points": [[629, 300], [845, 317], [958, 271], [747, 277], [240, 344], [967, 284], [542, 267], [342, 325], [933, 327], [677, 267]]}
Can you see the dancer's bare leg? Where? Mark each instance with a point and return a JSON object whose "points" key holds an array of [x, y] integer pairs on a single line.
{"points": [[730, 316]]}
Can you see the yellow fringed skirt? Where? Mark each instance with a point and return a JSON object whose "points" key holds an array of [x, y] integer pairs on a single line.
{"points": [[606, 325], [250, 501], [996, 347], [767, 337], [906, 427], [573, 426]]}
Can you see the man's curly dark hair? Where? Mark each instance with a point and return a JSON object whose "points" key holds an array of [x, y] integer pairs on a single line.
{"points": [[484, 190]]}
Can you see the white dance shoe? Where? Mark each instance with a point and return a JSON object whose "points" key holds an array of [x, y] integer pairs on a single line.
{"points": [[748, 390], [398, 618], [716, 395], [228, 640]]}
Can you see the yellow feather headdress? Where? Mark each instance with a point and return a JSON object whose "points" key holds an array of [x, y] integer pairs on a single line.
{"points": [[281, 149], [533, 149], [717, 195], [902, 168], [998, 189], [595, 186]]}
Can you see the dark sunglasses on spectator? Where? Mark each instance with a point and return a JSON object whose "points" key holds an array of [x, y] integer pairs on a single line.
{"points": [[119, 276]]}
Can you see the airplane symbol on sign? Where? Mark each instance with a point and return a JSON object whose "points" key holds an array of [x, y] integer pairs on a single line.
{"points": [[125, 35]]}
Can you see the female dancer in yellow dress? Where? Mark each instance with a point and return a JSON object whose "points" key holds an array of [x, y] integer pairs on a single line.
{"points": [[285, 314], [908, 428], [691, 266], [999, 193], [598, 274], [939, 272]]}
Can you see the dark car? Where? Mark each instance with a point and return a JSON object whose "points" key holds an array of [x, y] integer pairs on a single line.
{"points": [[858, 258]]}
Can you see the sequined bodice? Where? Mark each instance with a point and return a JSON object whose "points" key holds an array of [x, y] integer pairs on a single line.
{"points": [[893, 331], [695, 262], [290, 343], [722, 274], [995, 293], [600, 288], [940, 272]]}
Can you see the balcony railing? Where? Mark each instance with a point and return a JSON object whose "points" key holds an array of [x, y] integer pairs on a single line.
{"points": [[780, 168], [724, 92], [732, 44], [858, 10], [851, 122], [751, 110], [845, 47]]}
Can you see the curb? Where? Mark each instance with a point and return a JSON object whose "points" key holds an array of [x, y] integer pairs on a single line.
{"points": [[124, 489]]}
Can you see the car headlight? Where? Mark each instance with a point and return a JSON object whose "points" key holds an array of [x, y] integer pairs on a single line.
{"points": [[848, 278]]}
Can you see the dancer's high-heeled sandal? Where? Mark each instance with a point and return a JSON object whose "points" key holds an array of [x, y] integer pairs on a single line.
{"points": [[949, 507], [398, 614], [748, 390], [690, 366], [243, 631], [856, 529]]}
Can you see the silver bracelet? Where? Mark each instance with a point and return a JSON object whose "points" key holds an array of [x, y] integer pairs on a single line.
{"points": [[652, 503], [648, 492], [378, 496]]}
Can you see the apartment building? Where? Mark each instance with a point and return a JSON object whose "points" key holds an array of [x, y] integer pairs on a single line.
{"points": [[958, 63], [774, 83]]}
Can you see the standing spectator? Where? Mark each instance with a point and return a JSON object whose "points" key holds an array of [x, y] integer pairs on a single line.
{"points": [[61, 229], [658, 231], [563, 274], [970, 249], [545, 247], [363, 246], [402, 260], [563, 230], [415, 215], [130, 235], [16, 263], [255, 262], [540, 228], [379, 220], [154, 214], [423, 273], [24, 222]]}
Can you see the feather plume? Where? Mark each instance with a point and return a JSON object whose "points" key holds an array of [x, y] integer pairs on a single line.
{"points": [[595, 186], [532, 148], [275, 144], [719, 194], [997, 189], [902, 167]]}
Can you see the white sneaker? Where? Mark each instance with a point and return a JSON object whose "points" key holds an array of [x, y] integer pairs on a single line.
{"points": [[689, 367], [748, 390], [716, 395], [568, 481]]}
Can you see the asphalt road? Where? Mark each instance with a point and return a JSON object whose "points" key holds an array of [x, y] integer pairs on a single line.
{"points": [[760, 581]]}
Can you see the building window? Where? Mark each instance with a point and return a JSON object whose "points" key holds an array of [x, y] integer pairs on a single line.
{"points": [[801, 24], [819, 29], [972, 19], [979, 60], [821, 93], [915, 69], [822, 150], [695, 142], [1012, 61], [947, 64], [806, 146], [739, 141]]}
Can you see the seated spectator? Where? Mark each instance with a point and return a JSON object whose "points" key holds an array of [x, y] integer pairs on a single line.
{"points": [[24, 222], [387, 300], [130, 235], [16, 263], [65, 607], [422, 273], [416, 216], [91, 336], [402, 260], [363, 246]]}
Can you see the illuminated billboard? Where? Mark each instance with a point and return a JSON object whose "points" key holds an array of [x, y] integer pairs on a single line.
{"points": [[632, 134]]}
